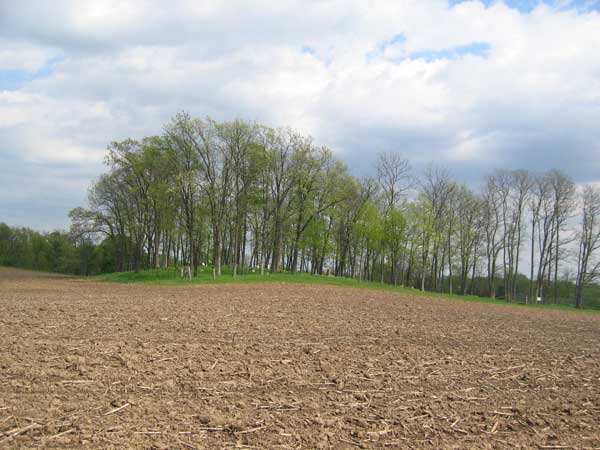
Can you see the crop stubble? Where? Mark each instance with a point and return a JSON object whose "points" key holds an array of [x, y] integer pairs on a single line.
{"points": [[275, 365]]}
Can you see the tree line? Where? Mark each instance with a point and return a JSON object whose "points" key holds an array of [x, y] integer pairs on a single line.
{"points": [[57, 251], [252, 197]]}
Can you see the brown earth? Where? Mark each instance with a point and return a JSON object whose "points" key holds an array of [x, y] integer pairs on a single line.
{"points": [[102, 365]]}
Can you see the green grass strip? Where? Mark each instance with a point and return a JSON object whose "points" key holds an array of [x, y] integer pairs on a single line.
{"points": [[170, 277]]}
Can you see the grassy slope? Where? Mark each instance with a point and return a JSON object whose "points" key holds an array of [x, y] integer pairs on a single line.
{"points": [[171, 277]]}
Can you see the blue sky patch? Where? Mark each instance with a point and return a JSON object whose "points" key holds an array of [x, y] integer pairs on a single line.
{"points": [[526, 6], [13, 79], [476, 48], [308, 50], [380, 47]]}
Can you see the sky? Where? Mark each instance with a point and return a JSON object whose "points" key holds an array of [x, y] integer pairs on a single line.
{"points": [[469, 85]]}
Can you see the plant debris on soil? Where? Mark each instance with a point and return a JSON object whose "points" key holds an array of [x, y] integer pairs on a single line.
{"points": [[275, 365]]}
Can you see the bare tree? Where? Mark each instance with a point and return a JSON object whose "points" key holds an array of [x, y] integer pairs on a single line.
{"points": [[521, 190], [438, 189], [541, 229], [492, 226], [393, 174], [563, 190], [588, 268], [514, 190]]}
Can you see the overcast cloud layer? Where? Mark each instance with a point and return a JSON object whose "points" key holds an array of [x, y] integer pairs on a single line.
{"points": [[471, 85]]}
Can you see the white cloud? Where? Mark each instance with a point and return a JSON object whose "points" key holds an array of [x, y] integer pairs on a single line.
{"points": [[17, 55], [531, 100]]}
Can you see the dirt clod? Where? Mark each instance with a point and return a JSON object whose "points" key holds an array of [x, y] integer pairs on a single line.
{"points": [[110, 366]]}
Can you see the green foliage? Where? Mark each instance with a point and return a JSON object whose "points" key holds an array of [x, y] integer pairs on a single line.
{"points": [[242, 194], [50, 252]]}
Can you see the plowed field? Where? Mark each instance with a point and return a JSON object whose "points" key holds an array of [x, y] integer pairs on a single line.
{"points": [[103, 365]]}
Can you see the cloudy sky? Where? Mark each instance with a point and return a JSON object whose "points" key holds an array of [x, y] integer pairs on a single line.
{"points": [[472, 85]]}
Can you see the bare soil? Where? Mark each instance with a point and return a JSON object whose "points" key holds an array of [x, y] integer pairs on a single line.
{"points": [[103, 365]]}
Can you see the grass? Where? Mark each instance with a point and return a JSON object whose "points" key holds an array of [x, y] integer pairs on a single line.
{"points": [[170, 277]]}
